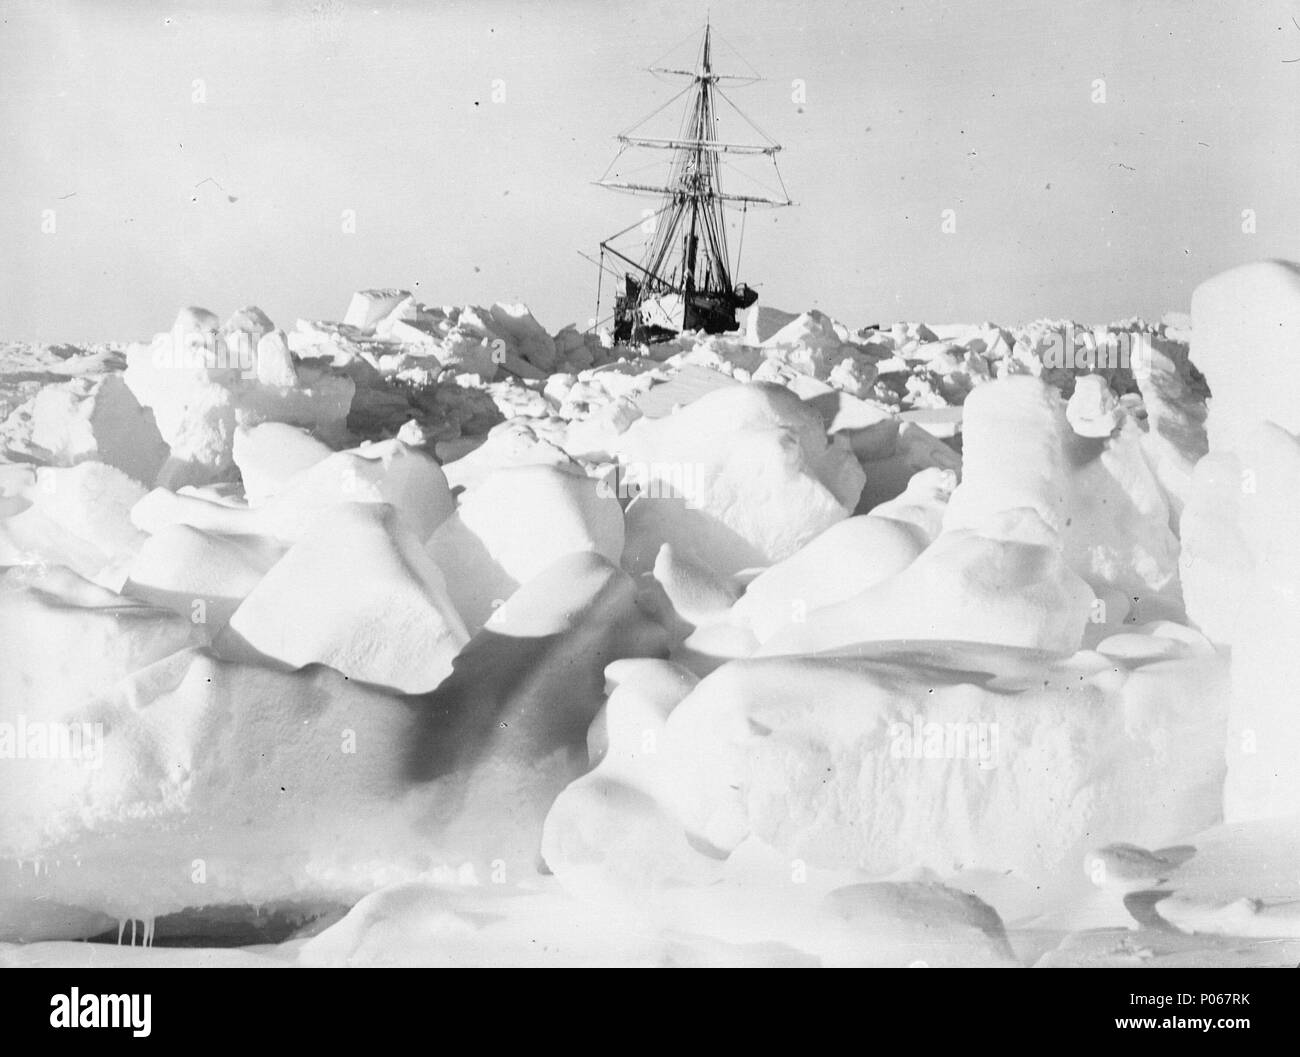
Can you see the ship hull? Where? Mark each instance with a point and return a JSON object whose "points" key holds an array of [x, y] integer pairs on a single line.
{"points": [[663, 316]]}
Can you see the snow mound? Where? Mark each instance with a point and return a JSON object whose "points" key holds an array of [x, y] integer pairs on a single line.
{"points": [[1118, 536], [759, 322], [200, 576], [67, 640], [1248, 315], [384, 472], [1174, 395], [1013, 458], [272, 454], [963, 587], [698, 595], [923, 503], [407, 337], [216, 783], [864, 925], [222, 783], [1240, 565], [1025, 470], [97, 420], [388, 472], [517, 325], [1093, 410], [202, 383], [76, 516], [888, 758], [1240, 882], [368, 307], [520, 700], [514, 524], [743, 476], [512, 443], [357, 593], [892, 457], [843, 561]]}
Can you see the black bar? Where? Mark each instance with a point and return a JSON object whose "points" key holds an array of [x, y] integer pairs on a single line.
{"points": [[971, 1006]]}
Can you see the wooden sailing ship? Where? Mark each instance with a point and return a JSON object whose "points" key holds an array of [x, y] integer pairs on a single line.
{"points": [[683, 279]]}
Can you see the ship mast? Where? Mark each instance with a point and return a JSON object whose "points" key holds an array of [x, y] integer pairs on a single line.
{"points": [[688, 255], [704, 132]]}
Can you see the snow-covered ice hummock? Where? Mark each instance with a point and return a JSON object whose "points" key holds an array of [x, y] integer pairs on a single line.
{"points": [[202, 380], [1241, 561]]}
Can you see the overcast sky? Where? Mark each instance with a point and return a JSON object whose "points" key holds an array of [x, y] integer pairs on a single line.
{"points": [[205, 153]]}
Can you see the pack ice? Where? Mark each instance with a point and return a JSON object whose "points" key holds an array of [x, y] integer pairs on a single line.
{"points": [[798, 645]]}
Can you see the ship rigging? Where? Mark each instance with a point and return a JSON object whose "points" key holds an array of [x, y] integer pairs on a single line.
{"points": [[684, 279]]}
